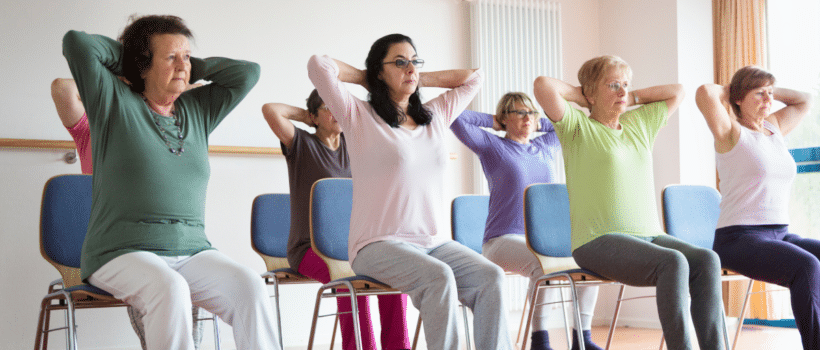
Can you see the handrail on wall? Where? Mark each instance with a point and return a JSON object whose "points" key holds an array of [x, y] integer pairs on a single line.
{"points": [[57, 144]]}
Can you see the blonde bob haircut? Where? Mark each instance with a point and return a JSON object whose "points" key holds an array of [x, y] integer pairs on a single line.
{"points": [[507, 104], [594, 70]]}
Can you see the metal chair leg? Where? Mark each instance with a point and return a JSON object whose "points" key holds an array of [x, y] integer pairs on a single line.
{"points": [[333, 336], [523, 316], [564, 310], [615, 316], [533, 296], [315, 318], [72, 331], [42, 323], [278, 312], [466, 326], [418, 331], [354, 308], [217, 344], [577, 313], [743, 313]]}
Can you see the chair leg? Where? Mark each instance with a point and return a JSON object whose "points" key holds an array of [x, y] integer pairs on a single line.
{"points": [[725, 333], [42, 323], [521, 324], [333, 336], [217, 344], [278, 312], [70, 322], [577, 312], [354, 308], [615, 316], [466, 326], [533, 298], [564, 311], [315, 318], [743, 313], [418, 331]]}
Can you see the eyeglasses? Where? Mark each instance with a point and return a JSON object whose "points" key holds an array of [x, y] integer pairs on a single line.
{"points": [[324, 107], [401, 62], [521, 114], [617, 86]]}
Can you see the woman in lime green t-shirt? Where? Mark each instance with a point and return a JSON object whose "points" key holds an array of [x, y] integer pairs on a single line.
{"points": [[615, 227]]}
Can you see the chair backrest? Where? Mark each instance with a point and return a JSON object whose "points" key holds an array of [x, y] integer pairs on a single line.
{"points": [[691, 213], [469, 217], [546, 219], [270, 228], [331, 202], [64, 215]]}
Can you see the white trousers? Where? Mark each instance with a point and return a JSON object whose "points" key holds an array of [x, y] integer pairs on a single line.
{"points": [[163, 288], [512, 254]]}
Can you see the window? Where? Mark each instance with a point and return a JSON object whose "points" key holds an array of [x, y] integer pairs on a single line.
{"points": [[794, 53]]}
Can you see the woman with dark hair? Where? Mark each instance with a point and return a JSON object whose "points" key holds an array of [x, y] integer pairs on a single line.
{"points": [[615, 228], [756, 174], [511, 163], [72, 114], [312, 157], [146, 240], [398, 230]]}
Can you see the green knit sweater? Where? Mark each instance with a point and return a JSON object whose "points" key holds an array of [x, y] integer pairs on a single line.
{"points": [[146, 198]]}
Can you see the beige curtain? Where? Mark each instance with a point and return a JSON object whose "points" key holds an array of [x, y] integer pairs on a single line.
{"points": [[740, 40]]}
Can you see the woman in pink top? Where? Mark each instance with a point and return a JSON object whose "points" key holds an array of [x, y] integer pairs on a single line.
{"points": [[756, 173], [399, 234]]}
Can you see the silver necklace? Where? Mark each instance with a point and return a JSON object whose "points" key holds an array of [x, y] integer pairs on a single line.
{"points": [[164, 134]]}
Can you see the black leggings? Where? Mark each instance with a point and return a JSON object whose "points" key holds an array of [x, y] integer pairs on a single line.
{"points": [[771, 254]]}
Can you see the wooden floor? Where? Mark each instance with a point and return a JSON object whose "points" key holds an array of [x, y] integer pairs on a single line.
{"points": [[752, 338]]}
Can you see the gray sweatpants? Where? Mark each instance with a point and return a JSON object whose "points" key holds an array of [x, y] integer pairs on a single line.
{"points": [[677, 269], [436, 279]]}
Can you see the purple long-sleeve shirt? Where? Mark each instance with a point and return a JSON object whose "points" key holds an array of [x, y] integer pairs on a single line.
{"points": [[509, 167]]}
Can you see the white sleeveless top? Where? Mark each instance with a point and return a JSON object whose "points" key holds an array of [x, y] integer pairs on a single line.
{"points": [[755, 179]]}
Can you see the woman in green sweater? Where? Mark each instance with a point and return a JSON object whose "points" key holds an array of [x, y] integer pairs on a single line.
{"points": [[146, 239]]}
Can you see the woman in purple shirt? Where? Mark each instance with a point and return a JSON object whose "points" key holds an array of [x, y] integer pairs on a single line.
{"points": [[511, 163]]}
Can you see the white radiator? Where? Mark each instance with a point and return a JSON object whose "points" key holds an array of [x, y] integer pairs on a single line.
{"points": [[514, 41]]}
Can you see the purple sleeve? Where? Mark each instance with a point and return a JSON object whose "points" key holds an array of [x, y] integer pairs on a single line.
{"points": [[546, 125], [467, 128]]}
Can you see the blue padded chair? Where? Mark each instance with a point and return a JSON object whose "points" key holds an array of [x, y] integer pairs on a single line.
{"points": [[691, 213], [64, 215], [548, 232], [331, 203], [270, 228], [469, 217]]}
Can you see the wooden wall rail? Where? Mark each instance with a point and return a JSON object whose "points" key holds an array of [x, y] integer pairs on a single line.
{"points": [[56, 144]]}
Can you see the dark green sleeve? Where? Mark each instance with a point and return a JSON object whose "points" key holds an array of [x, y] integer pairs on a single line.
{"points": [[231, 80], [94, 61]]}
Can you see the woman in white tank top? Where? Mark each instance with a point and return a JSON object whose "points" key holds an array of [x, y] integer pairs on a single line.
{"points": [[756, 172]]}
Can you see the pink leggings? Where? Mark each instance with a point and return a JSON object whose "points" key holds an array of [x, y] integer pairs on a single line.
{"points": [[392, 309]]}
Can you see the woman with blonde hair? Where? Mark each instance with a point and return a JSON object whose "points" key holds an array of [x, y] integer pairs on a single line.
{"points": [[615, 228], [511, 163]]}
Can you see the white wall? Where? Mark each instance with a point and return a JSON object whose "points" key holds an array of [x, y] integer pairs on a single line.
{"points": [[655, 37]]}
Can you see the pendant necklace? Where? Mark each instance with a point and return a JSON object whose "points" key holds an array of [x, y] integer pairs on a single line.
{"points": [[164, 134]]}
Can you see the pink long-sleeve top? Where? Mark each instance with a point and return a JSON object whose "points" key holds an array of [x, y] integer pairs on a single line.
{"points": [[397, 173]]}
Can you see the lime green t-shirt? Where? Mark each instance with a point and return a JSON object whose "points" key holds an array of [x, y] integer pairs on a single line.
{"points": [[609, 173]]}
